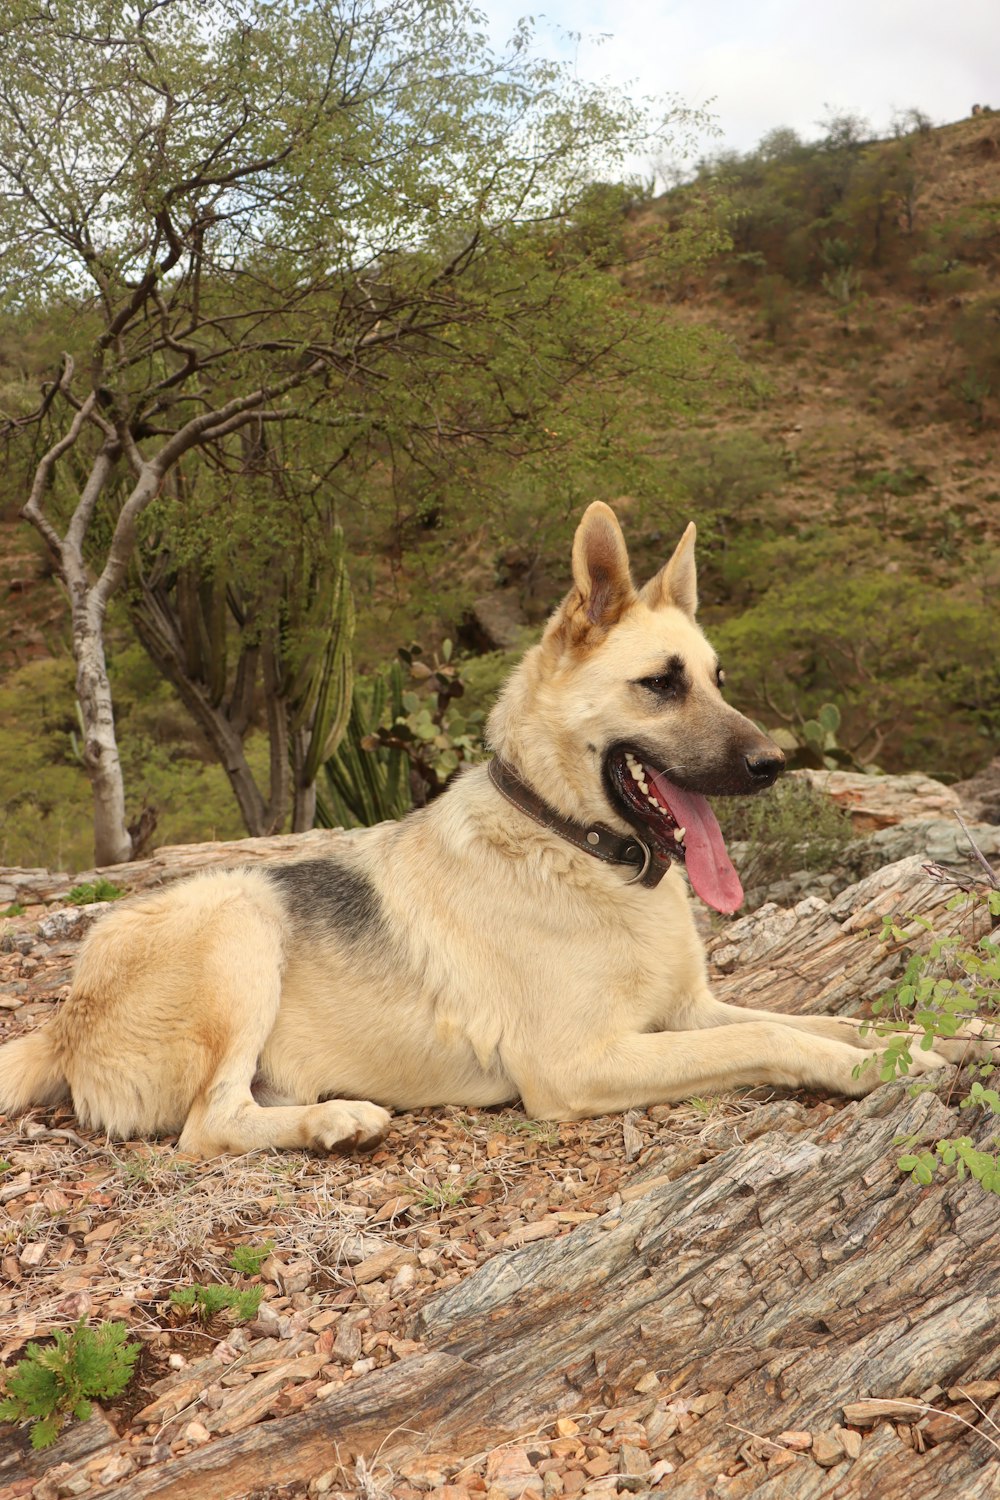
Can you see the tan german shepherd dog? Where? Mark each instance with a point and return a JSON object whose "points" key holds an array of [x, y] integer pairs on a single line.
{"points": [[526, 935]]}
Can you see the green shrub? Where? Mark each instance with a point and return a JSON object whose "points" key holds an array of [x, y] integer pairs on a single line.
{"points": [[56, 1381], [792, 827], [955, 983], [94, 890], [248, 1259], [206, 1302], [847, 620]]}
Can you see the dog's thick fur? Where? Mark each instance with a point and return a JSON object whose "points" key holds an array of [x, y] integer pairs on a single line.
{"points": [[466, 955]]}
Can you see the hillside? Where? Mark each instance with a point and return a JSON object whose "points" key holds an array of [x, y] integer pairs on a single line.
{"points": [[886, 413], [846, 488]]}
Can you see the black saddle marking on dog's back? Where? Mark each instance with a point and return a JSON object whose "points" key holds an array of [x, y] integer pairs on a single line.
{"points": [[323, 894]]}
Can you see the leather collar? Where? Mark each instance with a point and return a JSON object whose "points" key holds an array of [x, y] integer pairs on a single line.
{"points": [[649, 864]]}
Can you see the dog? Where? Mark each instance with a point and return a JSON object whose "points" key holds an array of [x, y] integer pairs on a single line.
{"points": [[526, 935]]}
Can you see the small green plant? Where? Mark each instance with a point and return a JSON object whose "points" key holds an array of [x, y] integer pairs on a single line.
{"points": [[444, 1194], [15, 909], [94, 890], [380, 770], [56, 1381], [956, 982], [207, 1302], [812, 743], [248, 1259]]}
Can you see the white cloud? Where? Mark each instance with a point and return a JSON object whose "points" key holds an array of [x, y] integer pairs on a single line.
{"points": [[781, 62]]}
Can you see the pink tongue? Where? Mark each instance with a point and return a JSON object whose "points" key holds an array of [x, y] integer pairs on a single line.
{"points": [[710, 870]]}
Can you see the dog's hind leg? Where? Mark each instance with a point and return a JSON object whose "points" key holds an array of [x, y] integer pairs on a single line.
{"points": [[225, 1116], [241, 982], [228, 1119]]}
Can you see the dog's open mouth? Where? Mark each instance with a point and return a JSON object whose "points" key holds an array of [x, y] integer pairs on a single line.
{"points": [[679, 823]]}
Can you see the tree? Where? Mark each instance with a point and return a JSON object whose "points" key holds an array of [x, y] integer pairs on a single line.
{"points": [[254, 214]]}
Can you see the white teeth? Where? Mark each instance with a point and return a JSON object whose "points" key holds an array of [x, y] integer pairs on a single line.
{"points": [[643, 785], [679, 834]]}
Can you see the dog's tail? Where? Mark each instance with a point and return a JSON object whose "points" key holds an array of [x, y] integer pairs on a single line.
{"points": [[31, 1072]]}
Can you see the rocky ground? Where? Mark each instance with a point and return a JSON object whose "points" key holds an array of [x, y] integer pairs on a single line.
{"points": [[366, 1368]]}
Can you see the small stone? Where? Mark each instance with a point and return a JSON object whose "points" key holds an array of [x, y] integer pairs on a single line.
{"points": [[850, 1442], [176, 1361], [599, 1465], [404, 1280], [633, 1460], [796, 1440], [196, 1433], [376, 1266], [347, 1341], [120, 1467], [660, 1470], [510, 1471], [267, 1323], [73, 1484], [827, 1449], [428, 1471]]}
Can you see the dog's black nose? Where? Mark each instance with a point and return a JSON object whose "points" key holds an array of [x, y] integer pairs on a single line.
{"points": [[766, 767]]}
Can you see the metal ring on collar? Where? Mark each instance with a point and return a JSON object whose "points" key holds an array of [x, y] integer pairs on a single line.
{"points": [[647, 860]]}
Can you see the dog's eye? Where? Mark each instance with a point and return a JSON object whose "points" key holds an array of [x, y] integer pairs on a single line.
{"points": [[666, 685]]}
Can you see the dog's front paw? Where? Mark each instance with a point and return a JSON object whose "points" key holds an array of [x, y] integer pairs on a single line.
{"points": [[867, 1075], [978, 1043], [348, 1125]]}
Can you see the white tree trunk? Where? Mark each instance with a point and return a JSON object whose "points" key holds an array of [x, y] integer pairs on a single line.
{"points": [[112, 840]]}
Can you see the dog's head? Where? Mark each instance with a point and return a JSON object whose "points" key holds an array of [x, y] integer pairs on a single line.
{"points": [[618, 714]]}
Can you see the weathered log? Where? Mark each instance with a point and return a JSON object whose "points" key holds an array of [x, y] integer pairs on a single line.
{"points": [[786, 1279]]}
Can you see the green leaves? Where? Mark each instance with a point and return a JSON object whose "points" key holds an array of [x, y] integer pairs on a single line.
{"points": [[55, 1381], [921, 1167], [248, 1259], [931, 1004], [94, 890], [206, 1302]]}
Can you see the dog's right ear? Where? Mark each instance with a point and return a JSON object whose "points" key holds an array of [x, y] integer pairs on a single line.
{"points": [[676, 583], [603, 588]]}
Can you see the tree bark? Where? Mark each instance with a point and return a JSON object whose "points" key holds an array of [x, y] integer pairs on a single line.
{"points": [[153, 626], [112, 840], [774, 1286], [303, 790]]}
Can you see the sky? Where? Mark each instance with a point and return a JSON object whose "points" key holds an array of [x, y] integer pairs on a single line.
{"points": [[759, 64]]}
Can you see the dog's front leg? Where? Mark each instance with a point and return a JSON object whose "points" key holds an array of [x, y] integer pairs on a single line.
{"points": [[641, 1068], [703, 1010]]}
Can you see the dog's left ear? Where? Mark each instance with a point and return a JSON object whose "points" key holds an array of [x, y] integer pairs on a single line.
{"points": [[600, 566], [677, 581]]}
